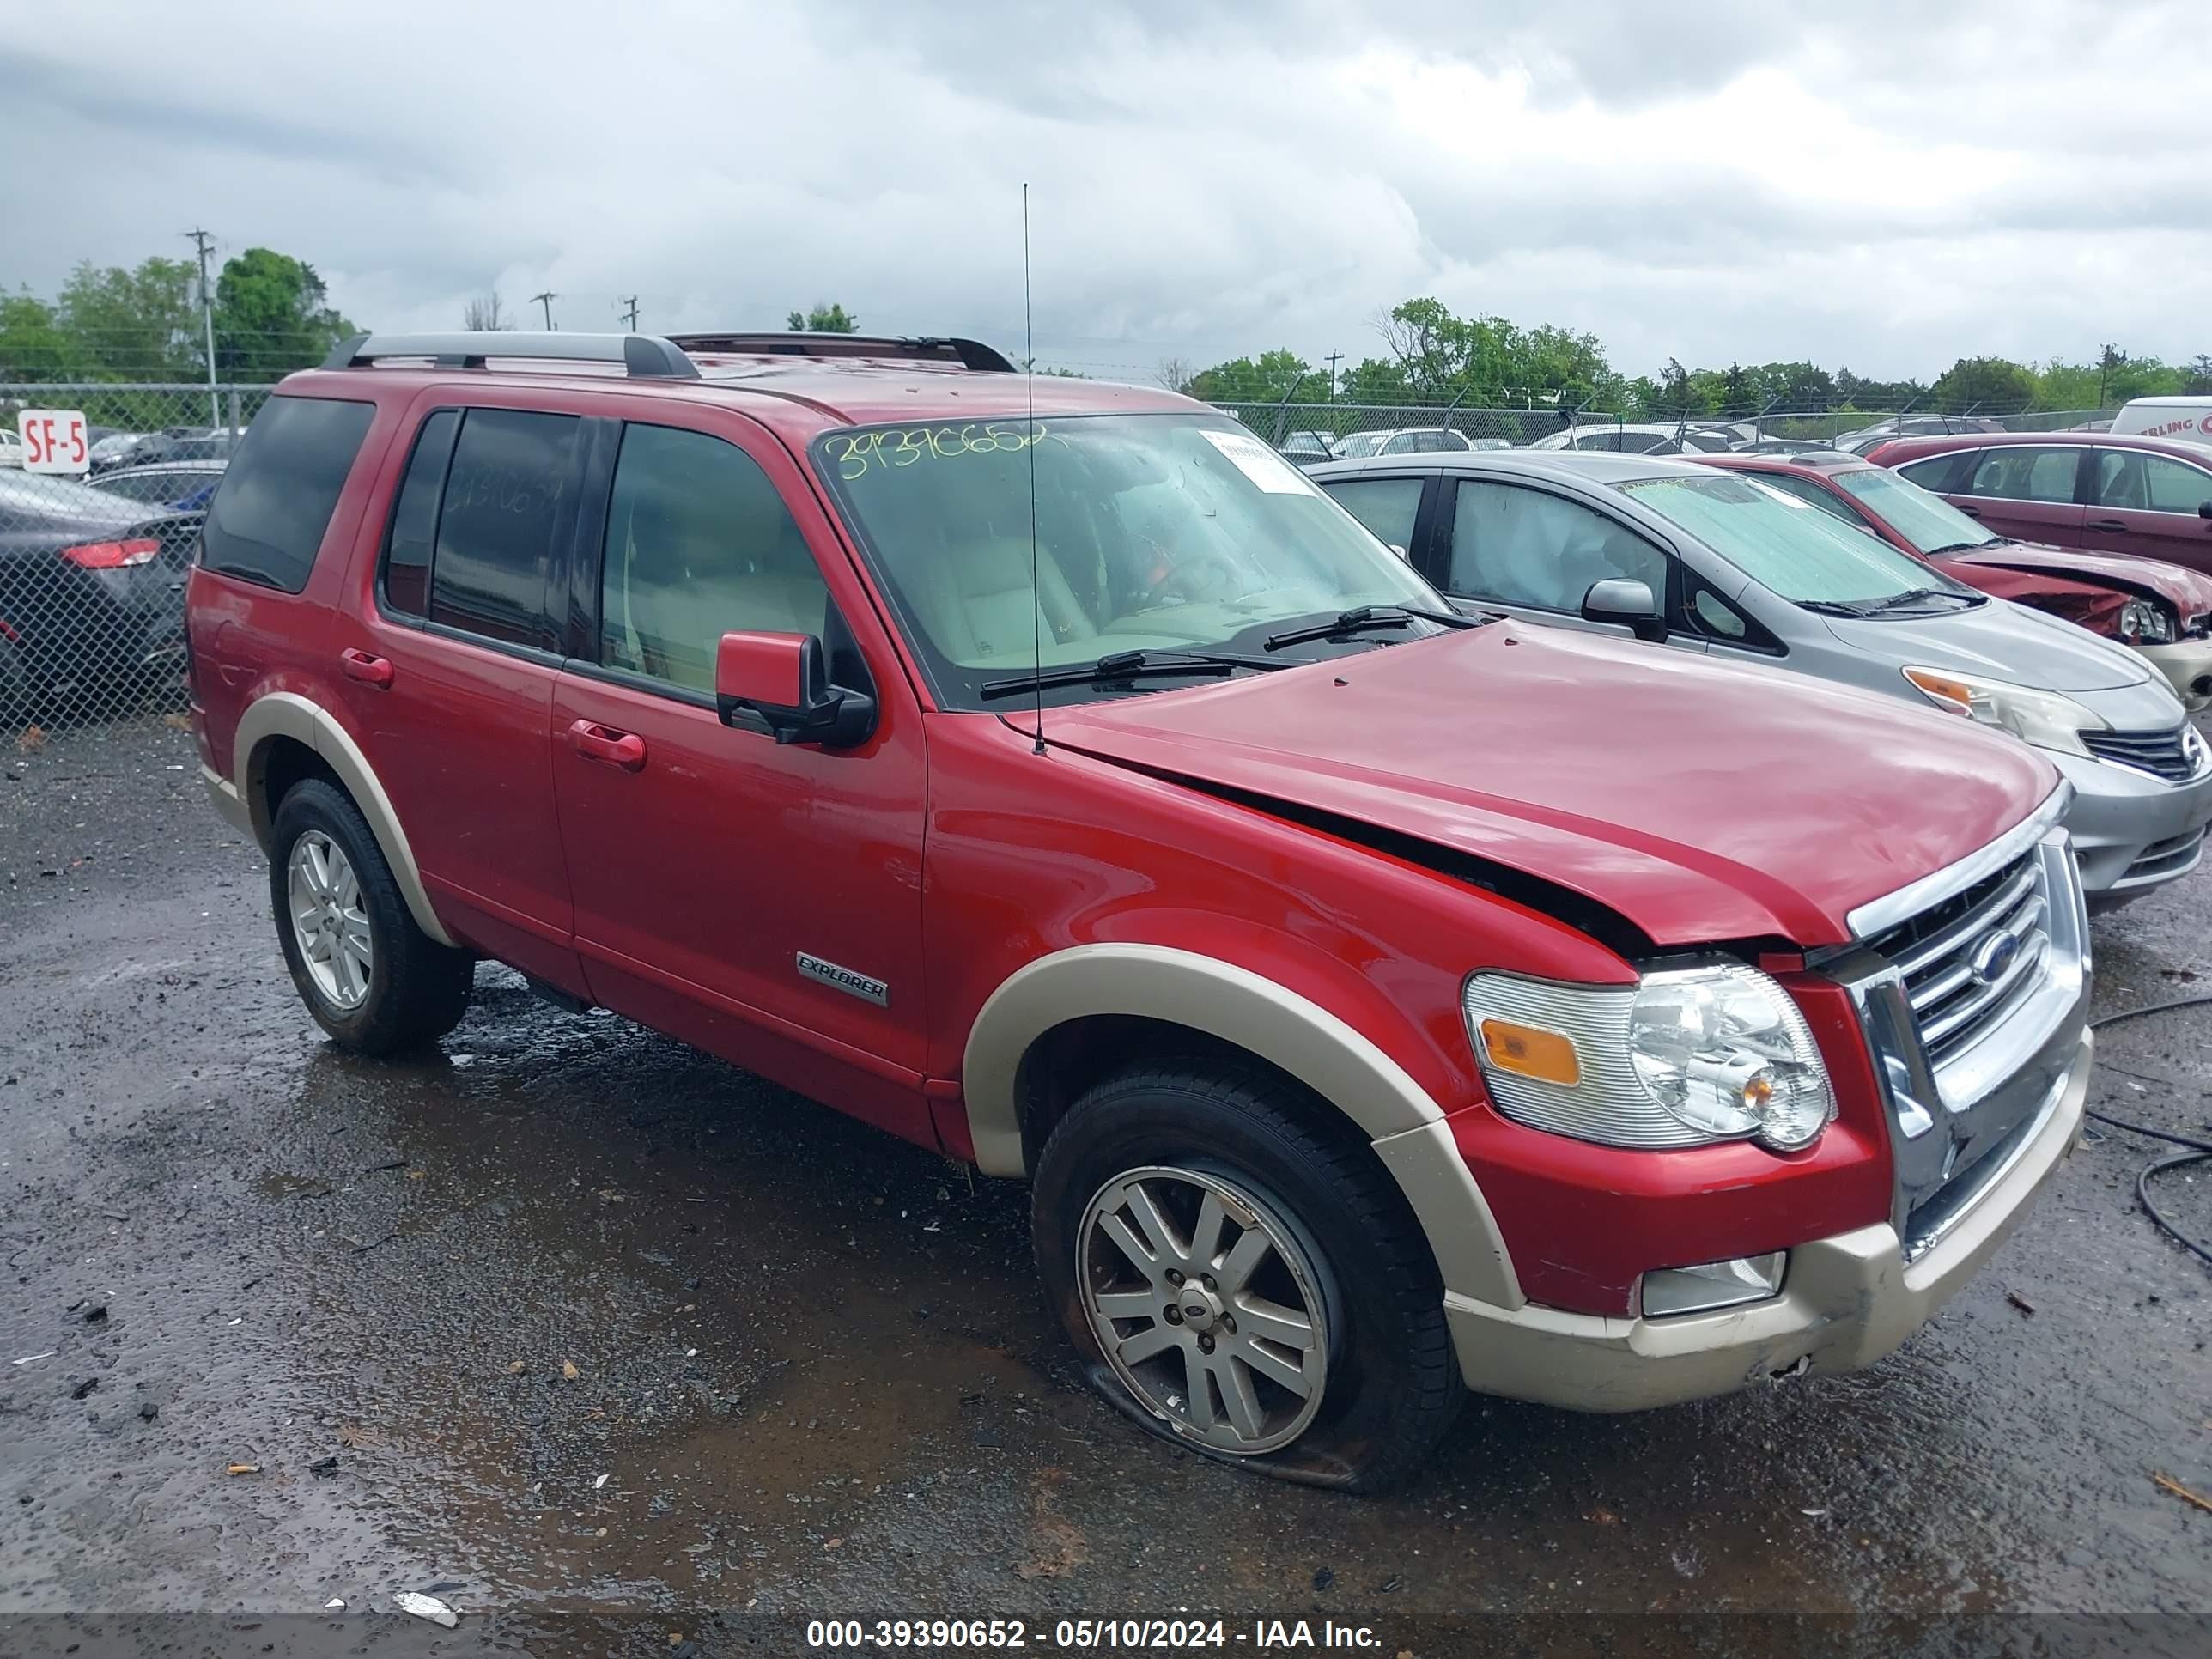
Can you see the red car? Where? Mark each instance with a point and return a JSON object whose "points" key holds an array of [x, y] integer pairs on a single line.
{"points": [[2107, 493], [1380, 1000], [2162, 610]]}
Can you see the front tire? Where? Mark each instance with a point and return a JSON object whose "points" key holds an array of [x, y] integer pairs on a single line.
{"points": [[1243, 1281], [376, 983]]}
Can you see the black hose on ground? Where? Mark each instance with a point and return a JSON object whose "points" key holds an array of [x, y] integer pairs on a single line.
{"points": [[2198, 1150]]}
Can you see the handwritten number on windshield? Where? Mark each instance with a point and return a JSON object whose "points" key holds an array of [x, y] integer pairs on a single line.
{"points": [[857, 454]]}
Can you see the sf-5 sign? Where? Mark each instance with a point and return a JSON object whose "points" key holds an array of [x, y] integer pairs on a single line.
{"points": [[54, 440]]}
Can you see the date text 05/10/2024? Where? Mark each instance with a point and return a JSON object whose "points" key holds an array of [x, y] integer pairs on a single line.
{"points": [[1086, 1634]]}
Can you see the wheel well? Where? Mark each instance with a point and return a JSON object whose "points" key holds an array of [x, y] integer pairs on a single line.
{"points": [[279, 764], [1061, 1066]]}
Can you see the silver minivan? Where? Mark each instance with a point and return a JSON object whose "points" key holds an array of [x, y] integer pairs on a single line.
{"points": [[1719, 563]]}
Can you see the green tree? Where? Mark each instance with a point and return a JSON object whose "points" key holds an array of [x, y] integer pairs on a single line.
{"points": [[142, 325], [272, 316], [2197, 377], [33, 344], [1989, 386], [1269, 378], [823, 320]]}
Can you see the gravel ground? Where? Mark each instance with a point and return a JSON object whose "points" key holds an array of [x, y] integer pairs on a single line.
{"points": [[628, 1349]]}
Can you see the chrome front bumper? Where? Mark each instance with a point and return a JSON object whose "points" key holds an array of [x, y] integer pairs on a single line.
{"points": [[1846, 1301]]}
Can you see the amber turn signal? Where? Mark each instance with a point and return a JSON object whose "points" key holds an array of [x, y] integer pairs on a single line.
{"points": [[1531, 1052], [1944, 690]]}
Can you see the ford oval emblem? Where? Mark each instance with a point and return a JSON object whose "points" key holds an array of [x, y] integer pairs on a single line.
{"points": [[1993, 955]]}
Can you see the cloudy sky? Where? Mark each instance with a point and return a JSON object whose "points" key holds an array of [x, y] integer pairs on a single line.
{"points": [[1884, 185]]}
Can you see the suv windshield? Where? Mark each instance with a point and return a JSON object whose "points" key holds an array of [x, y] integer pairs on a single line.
{"points": [[1928, 521], [1169, 532], [1786, 546]]}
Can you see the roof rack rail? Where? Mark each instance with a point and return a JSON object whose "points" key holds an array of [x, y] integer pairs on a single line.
{"points": [[644, 357], [797, 342]]}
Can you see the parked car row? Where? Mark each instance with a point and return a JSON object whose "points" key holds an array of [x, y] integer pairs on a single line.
{"points": [[1629, 945], [2162, 610], [1706, 561]]}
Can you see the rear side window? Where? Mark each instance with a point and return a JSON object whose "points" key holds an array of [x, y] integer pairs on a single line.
{"points": [[267, 521], [2027, 474], [415, 518], [1938, 473], [470, 545], [1387, 506]]}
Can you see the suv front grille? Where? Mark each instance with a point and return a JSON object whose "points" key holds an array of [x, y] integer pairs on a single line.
{"points": [[1970, 960], [2169, 755], [1973, 1007]]}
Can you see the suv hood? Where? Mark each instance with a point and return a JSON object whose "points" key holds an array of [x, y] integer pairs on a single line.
{"points": [[1702, 801], [2189, 591], [1997, 640]]}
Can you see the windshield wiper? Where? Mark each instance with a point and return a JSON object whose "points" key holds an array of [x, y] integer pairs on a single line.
{"points": [[1835, 607], [1129, 666], [1912, 596], [1361, 617], [1960, 547]]}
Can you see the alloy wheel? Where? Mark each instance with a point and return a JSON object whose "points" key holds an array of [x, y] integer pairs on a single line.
{"points": [[1209, 1308], [329, 922]]}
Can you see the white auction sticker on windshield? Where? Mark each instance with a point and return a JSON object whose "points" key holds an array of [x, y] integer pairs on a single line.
{"points": [[1257, 462]]}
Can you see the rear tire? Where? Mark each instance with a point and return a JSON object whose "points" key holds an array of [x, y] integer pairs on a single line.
{"points": [[1346, 1296], [376, 983]]}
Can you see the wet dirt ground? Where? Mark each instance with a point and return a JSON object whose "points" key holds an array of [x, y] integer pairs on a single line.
{"points": [[570, 1318]]}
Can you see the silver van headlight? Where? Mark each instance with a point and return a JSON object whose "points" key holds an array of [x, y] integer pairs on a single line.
{"points": [[1686, 1057]]}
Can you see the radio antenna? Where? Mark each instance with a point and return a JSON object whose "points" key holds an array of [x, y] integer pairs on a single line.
{"points": [[1029, 376]]}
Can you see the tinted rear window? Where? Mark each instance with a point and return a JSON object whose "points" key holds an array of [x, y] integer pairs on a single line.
{"points": [[267, 519], [503, 499]]}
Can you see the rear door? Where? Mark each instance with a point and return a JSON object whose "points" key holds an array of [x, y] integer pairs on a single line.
{"points": [[2031, 492], [2151, 504], [762, 900], [450, 673]]}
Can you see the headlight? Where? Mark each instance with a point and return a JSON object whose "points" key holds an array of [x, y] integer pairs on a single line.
{"points": [[2043, 718], [1685, 1057], [2146, 622]]}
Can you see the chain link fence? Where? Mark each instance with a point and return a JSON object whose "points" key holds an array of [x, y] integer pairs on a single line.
{"points": [[1316, 432], [91, 564]]}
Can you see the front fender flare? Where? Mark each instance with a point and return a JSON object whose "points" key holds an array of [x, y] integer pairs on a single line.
{"points": [[1289, 1031], [287, 714]]}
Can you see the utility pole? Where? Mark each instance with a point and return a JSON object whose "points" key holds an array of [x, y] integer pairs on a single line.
{"points": [[546, 300], [1335, 358], [631, 314], [200, 238]]}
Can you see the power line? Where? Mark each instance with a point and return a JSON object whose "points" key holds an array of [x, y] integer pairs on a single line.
{"points": [[546, 300]]}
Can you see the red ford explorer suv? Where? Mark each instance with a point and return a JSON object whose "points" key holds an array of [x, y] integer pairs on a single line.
{"points": [[1381, 1002]]}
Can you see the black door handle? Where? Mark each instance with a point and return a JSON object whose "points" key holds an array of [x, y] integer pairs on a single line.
{"points": [[2117, 525], [1971, 512]]}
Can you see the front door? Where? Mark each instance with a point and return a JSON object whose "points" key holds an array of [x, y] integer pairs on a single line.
{"points": [[760, 900], [2152, 505], [1528, 552]]}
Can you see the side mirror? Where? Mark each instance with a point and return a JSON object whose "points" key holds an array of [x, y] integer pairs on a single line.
{"points": [[780, 680], [2204, 509], [1625, 601]]}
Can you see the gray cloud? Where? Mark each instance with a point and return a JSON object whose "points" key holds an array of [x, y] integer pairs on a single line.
{"points": [[1888, 185]]}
